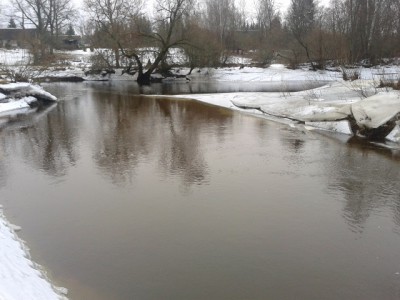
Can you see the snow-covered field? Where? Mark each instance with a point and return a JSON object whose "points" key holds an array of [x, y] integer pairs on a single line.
{"points": [[325, 108], [14, 57]]}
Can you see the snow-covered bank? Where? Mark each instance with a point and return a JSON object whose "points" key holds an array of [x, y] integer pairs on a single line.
{"points": [[349, 108], [20, 278], [22, 96]]}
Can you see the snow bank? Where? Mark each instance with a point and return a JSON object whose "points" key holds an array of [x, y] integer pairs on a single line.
{"points": [[23, 103], [20, 278], [331, 107], [377, 110], [275, 73], [16, 96], [26, 89]]}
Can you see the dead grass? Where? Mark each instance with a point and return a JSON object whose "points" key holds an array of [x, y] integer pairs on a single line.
{"points": [[394, 84]]}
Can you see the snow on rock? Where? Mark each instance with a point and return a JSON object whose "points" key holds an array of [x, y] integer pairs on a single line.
{"points": [[376, 110], [20, 278], [26, 89], [15, 96], [13, 105], [394, 135], [376, 116]]}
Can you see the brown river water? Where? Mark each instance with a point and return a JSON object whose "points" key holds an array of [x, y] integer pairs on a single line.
{"points": [[122, 196]]}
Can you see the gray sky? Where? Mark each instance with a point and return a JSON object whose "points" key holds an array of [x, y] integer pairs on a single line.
{"points": [[248, 4]]}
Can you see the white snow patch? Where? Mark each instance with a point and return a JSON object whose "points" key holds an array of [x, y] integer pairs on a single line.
{"points": [[14, 57], [21, 96], [376, 110], [27, 89], [13, 105], [20, 278], [394, 136], [340, 126]]}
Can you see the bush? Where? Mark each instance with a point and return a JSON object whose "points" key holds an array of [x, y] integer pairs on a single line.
{"points": [[350, 74], [394, 84]]}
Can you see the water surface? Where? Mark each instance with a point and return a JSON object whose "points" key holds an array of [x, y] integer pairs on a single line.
{"points": [[130, 197]]}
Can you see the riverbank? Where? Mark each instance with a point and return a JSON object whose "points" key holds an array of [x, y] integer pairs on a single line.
{"points": [[22, 97], [353, 108], [21, 278]]}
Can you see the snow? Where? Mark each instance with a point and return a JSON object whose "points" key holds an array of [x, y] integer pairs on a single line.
{"points": [[17, 96], [394, 136], [376, 110], [326, 108], [28, 90], [16, 105], [275, 73], [14, 57], [20, 278]]}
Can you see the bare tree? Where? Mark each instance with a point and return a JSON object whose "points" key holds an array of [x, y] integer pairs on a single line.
{"points": [[364, 29], [112, 18], [301, 22], [34, 12], [220, 17], [169, 32], [48, 17], [267, 12], [203, 49], [126, 27], [60, 14]]}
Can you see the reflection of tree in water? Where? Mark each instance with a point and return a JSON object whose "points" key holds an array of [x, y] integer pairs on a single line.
{"points": [[396, 209], [186, 122], [136, 129], [125, 136], [294, 143], [368, 180], [48, 145], [3, 166]]}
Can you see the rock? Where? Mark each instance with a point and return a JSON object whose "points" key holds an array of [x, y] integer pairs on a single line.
{"points": [[376, 116]]}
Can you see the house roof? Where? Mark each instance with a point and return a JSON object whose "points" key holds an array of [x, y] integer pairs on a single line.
{"points": [[16, 33]]}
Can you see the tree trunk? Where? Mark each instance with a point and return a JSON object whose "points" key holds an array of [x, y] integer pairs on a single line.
{"points": [[144, 78], [117, 58]]}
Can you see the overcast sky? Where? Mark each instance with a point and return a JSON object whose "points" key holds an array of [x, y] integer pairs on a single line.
{"points": [[248, 4]]}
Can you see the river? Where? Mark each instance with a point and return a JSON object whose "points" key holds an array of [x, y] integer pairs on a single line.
{"points": [[122, 196]]}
